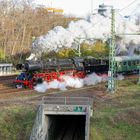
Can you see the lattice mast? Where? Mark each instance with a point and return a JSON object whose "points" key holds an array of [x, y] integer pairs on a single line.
{"points": [[112, 66]]}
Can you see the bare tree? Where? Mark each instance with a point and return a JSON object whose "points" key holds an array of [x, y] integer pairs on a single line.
{"points": [[20, 22]]}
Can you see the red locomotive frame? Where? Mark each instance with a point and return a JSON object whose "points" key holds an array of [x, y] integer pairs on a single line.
{"points": [[47, 76]]}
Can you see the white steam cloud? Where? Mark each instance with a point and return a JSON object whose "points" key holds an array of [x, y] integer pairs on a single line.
{"points": [[94, 26], [68, 81], [120, 77]]}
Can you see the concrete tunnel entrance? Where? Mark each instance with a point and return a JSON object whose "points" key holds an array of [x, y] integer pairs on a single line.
{"points": [[66, 127], [63, 118]]}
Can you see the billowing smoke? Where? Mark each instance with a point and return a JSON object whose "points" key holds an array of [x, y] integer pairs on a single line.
{"points": [[91, 28], [43, 87], [72, 82], [92, 79], [68, 81], [120, 77]]}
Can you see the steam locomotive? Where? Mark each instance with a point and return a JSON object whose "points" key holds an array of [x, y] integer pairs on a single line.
{"points": [[34, 72]]}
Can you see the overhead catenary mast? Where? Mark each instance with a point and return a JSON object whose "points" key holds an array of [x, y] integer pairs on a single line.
{"points": [[112, 66]]}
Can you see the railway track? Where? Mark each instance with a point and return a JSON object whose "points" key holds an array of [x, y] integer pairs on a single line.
{"points": [[70, 130], [6, 81], [31, 97], [15, 91], [8, 77], [9, 94], [70, 133]]}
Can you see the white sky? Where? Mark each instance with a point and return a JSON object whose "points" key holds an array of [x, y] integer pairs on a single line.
{"points": [[83, 7]]}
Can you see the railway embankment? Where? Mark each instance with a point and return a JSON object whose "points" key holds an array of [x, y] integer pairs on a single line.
{"points": [[115, 116]]}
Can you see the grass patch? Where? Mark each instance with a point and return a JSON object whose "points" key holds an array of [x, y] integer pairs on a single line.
{"points": [[16, 123], [105, 130], [119, 118]]}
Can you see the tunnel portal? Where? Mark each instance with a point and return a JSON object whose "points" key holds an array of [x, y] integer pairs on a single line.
{"points": [[63, 118], [66, 127]]}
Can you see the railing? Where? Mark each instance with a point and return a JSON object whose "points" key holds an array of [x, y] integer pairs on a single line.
{"points": [[67, 100]]}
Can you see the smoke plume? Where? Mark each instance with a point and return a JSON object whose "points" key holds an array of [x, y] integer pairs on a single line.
{"points": [[72, 82], [68, 81], [91, 28]]}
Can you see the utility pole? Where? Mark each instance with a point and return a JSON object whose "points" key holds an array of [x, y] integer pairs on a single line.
{"points": [[112, 66], [79, 50], [77, 40]]}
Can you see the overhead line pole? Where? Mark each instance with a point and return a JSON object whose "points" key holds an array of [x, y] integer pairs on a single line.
{"points": [[79, 47], [112, 66]]}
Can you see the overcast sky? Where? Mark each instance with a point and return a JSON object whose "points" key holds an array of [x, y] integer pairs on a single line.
{"points": [[83, 7]]}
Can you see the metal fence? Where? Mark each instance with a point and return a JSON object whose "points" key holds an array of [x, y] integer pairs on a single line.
{"points": [[67, 100]]}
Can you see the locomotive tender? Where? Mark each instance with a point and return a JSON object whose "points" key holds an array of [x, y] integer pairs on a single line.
{"points": [[35, 72]]}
